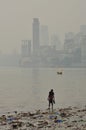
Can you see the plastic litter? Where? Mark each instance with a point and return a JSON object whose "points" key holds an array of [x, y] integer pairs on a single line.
{"points": [[71, 118]]}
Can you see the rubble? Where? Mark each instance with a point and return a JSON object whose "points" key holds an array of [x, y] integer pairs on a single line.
{"points": [[71, 118]]}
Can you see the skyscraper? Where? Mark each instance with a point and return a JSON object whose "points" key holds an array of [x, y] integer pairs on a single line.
{"points": [[69, 42], [44, 36], [55, 42], [83, 29], [26, 48], [83, 49], [36, 35]]}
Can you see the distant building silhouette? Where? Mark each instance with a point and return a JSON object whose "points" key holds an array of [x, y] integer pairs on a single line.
{"points": [[83, 49], [36, 35], [26, 48], [83, 29], [55, 42], [44, 35], [69, 42]]}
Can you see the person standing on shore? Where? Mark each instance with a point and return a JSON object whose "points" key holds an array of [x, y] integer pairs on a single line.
{"points": [[51, 98]]}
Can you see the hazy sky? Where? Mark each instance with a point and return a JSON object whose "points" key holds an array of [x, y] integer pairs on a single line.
{"points": [[16, 18]]}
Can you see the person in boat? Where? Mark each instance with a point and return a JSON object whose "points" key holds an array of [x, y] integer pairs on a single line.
{"points": [[51, 98]]}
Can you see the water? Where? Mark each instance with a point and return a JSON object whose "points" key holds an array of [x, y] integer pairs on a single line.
{"points": [[27, 89]]}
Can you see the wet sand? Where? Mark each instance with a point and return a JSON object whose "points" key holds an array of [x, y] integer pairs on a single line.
{"points": [[70, 118]]}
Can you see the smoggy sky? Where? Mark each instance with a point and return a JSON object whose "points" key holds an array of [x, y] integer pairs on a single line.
{"points": [[16, 18]]}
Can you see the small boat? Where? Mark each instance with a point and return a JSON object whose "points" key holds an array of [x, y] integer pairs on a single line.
{"points": [[60, 73]]}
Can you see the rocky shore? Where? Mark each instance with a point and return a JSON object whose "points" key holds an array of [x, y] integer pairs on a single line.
{"points": [[70, 118]]}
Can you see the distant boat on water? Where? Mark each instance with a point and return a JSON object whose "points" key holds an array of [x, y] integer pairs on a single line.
{"points": [[60, 72]]}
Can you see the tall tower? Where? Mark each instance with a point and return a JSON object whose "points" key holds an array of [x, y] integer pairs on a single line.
{"points": [[44, 35], [69, 42], [26, 48], [83, 29], [36, 36]]}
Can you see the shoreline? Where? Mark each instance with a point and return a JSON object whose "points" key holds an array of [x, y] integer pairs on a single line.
{"points": [[69, 118]]}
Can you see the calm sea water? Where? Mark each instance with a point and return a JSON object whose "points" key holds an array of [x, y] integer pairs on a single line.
{"points": [[27, 89]]}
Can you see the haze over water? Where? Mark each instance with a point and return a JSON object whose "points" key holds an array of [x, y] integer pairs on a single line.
{"points": [[16, 19], [27, 89]]}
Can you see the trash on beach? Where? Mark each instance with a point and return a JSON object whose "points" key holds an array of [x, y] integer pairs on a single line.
{"points": [[71, 118]]}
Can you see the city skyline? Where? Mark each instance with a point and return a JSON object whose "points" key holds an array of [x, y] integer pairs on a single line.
{"points": [[16, 19], [35, 54]]}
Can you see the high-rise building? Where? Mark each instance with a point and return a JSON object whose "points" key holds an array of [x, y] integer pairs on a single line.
{"points": [[36, 35], [29, 47], [69, 42], [83, 49], [55, 42], [44, 35], [26, 48], [83, 29]]}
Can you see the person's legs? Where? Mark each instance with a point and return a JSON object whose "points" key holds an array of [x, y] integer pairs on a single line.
{"points": [[52, 106], [49, 104]]}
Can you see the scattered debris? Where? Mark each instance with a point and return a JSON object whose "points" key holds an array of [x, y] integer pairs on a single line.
{"points": [[71, 118]]}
